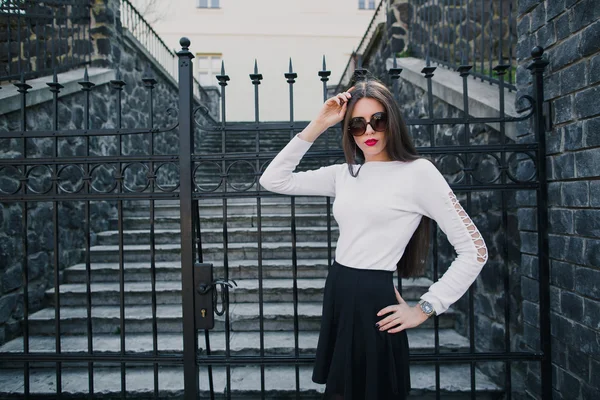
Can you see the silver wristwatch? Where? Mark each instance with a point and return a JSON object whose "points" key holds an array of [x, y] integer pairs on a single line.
{"points": [[427, 308]]}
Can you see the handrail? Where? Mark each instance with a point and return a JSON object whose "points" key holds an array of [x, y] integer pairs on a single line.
{"points": [[136, 24], [378, 18]]}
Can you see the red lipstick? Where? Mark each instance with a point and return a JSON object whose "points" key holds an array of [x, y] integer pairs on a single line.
{"points": [[371, 142]]}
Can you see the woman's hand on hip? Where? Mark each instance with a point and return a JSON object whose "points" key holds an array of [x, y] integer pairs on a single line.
{"points": [[401, 316]]}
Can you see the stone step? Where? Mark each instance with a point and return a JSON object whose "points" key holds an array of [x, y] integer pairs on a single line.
{"points": [[276, 205], [138, 319], [212, 251], [247, 291], [241, 343], [280, 382], [171, 270], [215, 235], [247, 220]]}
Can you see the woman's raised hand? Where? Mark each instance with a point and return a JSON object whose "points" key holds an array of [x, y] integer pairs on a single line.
{"points": [[331, 113], [334, 109]]}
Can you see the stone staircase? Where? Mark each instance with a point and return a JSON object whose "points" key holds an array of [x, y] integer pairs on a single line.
{"points": [[244, 309]]}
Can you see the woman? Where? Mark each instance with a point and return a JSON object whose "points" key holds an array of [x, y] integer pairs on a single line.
{"points": [[382, 208]]}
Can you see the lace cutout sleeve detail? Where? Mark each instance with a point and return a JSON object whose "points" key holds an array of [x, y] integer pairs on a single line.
{"points": [[482, 253]]}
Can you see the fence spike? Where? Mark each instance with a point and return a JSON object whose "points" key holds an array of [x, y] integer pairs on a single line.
{"points": [[255, 66], [324, 63], [291, 69]]}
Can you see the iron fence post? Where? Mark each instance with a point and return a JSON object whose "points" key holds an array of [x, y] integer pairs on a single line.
{"points": [[186, 146], [537, 68]]}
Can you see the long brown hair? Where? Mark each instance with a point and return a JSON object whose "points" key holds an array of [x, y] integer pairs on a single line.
{"points": [[399, 147]]}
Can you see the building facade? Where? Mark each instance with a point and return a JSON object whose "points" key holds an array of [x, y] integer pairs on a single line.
{"points": [[271, 32]]}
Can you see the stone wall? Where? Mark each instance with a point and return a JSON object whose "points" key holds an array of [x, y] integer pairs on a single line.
{"points": [[391, 39], [569, 30], [112, 49], [448, 30], [52, 34]]}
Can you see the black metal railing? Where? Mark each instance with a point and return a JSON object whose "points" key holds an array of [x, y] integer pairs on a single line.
{"points": [[480, 33], [136, 24], [42, 37]]}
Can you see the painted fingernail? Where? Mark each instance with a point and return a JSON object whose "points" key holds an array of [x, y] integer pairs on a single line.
{"points": [[377, 325]]}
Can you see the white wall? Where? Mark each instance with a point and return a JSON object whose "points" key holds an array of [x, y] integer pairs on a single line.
{"points": [[270, 31]]}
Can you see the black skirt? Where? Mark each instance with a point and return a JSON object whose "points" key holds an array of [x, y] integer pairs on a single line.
{"points": [[354, 358]]}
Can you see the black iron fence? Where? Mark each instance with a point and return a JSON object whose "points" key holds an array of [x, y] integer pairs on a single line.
{"points": [[480, 33], [75, 349], [40, 37]]}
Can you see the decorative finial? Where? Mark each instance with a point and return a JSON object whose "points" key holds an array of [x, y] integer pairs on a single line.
{"points": [[537, 52], [185, 43], [324, 63]]}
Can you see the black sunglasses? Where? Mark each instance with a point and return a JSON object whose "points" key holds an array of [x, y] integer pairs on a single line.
{"points": [[358, 125]]}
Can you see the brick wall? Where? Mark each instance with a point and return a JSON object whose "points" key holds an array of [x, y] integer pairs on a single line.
{"points": [[569, 30]]}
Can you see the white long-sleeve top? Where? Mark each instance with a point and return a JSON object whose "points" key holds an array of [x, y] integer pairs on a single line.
{"points": [[379, 210]]}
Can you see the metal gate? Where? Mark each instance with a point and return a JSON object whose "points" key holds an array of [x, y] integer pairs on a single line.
{"points": [[232, 349]]}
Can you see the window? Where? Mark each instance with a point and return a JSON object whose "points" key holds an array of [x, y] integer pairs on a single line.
{"points": [[208, 4], [208, 66], [362, 4]]}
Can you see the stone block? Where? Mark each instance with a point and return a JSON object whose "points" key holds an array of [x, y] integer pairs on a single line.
{"points": [[525, 6], [587, 340], [555, 299], [568, 384], [578, 363], [591, 132], [563, 109], [7, 305], [530, 289], [531, 313], [584, 13], [529, 242], [561, 328], [546, 36], [594, 74], [559, 354], [529, 266], [563, 166], [554, 145], [590, 39], [589, 391], [573, 136], [561, 274], [12, 279], [551, 85], [571, 305], [586, 163], [587, 222], [524, 25], [561, 221], [555, 193], [586, 104], [573, 77], [592, 252], [564, 53], [561, 25], [527, 219], [554, 8], [566, 248], [538, 17], [591, 315], [575, 194], [595, 371], [595, 193], [587, 281], [523, 48]]}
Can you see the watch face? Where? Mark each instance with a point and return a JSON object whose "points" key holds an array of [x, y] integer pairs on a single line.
{"points": [[427, 307]]}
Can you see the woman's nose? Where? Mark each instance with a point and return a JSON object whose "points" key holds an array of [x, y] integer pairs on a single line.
{"points": [[369, 130]]}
